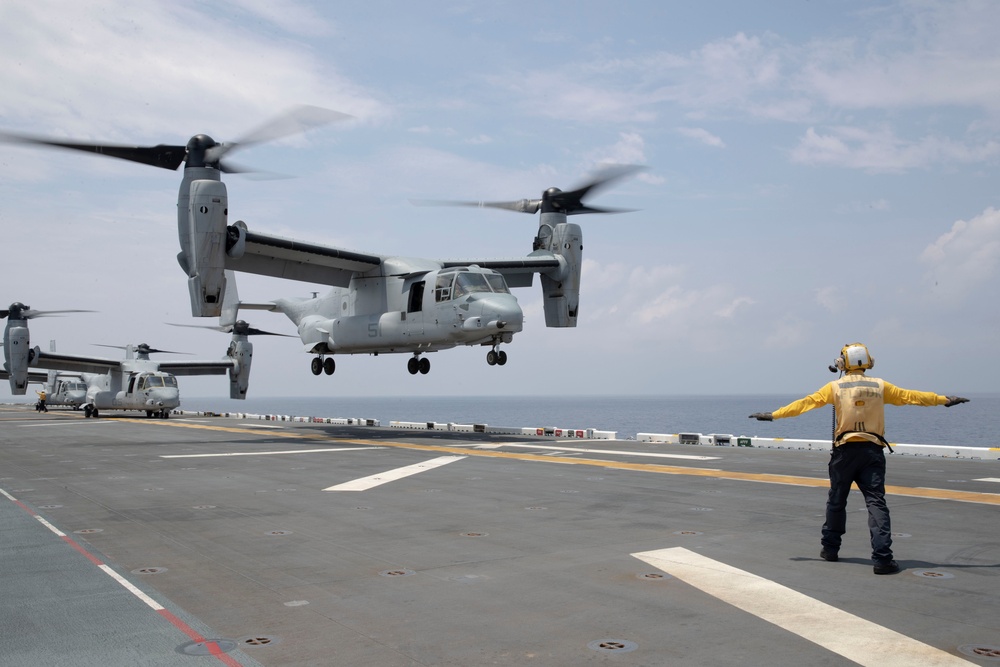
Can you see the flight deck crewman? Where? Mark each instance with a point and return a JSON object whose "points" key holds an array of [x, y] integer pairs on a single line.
{"points": [[857, 455], [41, 401]]}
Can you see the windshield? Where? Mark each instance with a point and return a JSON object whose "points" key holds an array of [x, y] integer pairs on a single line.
{"points": [[497, 282], [467, 283]]}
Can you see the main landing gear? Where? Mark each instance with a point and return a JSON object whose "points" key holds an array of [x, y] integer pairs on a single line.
{"points": [[496, 357], [162, 414], [321, 365], [90, 411], [418, 364]]}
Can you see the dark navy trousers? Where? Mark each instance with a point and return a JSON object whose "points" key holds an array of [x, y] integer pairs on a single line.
{"points": [[861, 463]]}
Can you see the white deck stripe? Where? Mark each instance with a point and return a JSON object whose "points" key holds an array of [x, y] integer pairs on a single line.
{"points": [[691, 457], [987, 479], [371, 481], [856, 639], [285, 451], [130, 587]]}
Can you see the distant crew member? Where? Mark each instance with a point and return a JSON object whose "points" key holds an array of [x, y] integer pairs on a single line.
{"points": [[857, 454], [40, 406]]}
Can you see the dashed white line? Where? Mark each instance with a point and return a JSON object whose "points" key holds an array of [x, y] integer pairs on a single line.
{"points": [[372, 481], [864, 642], [276, 453]]}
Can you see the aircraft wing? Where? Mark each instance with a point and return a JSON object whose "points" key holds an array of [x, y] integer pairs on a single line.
{"points": [[33, 376], [280, 257], [68, 362], [518, 272], [210, 367]]}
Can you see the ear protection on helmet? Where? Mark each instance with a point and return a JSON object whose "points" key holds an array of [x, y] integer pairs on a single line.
{"points": [[854, 356]]}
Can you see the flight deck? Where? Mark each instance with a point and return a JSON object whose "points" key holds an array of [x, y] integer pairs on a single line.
{"points": [[206, 540]]}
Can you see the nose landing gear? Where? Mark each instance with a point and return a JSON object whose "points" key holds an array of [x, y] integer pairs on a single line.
{"points": [[321, 365], [418, 364], [496, 357]]}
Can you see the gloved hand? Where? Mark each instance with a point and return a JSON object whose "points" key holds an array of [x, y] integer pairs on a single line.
{"points": [[763, 416], [955, 400]]}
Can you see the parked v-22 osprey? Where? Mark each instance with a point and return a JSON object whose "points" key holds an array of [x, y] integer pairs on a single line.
{"points": [[133, 383], [377, 303]]}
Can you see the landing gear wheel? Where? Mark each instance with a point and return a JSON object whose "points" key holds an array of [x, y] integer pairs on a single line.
{"points": [[149, 414], [491, 358], [329, 365], [165, 414], [413, 365], [316, 366], [425, 366], [501, 358], [88, 412]]}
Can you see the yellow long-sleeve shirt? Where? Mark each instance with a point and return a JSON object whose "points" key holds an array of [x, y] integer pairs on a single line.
{"points": [[893, 396], [890, 394]]}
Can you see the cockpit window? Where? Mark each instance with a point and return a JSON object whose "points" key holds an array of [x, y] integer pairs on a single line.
{"points": [[152, 381], [468, 283], [169, 381], [442, 288], [497, 283]]}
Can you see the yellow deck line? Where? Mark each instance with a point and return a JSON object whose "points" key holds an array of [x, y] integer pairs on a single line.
{"points": [[791, 480]]}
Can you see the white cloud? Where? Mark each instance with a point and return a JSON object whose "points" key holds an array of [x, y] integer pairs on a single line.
{"points": [[881, 150], [965, 257], [702, 135]]}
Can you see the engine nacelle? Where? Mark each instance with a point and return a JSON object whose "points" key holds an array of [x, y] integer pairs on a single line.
{"points": [[241, 352], [205, 258], [561, 288], [18, 354], [236, 239]]}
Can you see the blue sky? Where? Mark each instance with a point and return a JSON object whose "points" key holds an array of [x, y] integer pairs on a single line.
{"points": [[819, 173]]}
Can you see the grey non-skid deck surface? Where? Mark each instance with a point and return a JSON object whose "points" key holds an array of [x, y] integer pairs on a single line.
{"points": [[471, 549]]}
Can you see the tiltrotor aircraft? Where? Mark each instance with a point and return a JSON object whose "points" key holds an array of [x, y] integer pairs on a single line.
{"points": [[67, 389], [134, 383], [377, 303]]}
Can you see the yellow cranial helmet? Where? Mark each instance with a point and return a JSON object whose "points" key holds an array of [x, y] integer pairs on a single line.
{"points": [[853, 357]]}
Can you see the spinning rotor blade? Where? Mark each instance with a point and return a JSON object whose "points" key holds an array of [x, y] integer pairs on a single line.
{"points": [[554, 199], [141, 348], [294, 121], [161, 155], [19, 311], [201, 150], [241, 328]]}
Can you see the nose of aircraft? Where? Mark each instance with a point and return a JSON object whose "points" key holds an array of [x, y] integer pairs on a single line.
{"points": [[504, 310], [164, 397]]}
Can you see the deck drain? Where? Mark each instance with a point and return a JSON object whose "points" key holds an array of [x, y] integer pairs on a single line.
{"points": [[296, 603], [207, 647], [149, 570], [653, 576], [613, 645], [701, 509], [88, 531], [203, 507], [259, 640], [474, 534], [981, 651], [361, 507], [535, 508], [49, 507], [934, 574], [396, 573], [901, 535], [687, 532], [278, 532]]}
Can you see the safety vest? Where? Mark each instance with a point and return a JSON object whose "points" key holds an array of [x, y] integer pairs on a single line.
{"points": [[860, 404]]}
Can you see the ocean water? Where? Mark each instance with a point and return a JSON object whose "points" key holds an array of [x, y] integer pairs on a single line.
{"points": [[973, 424]]}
